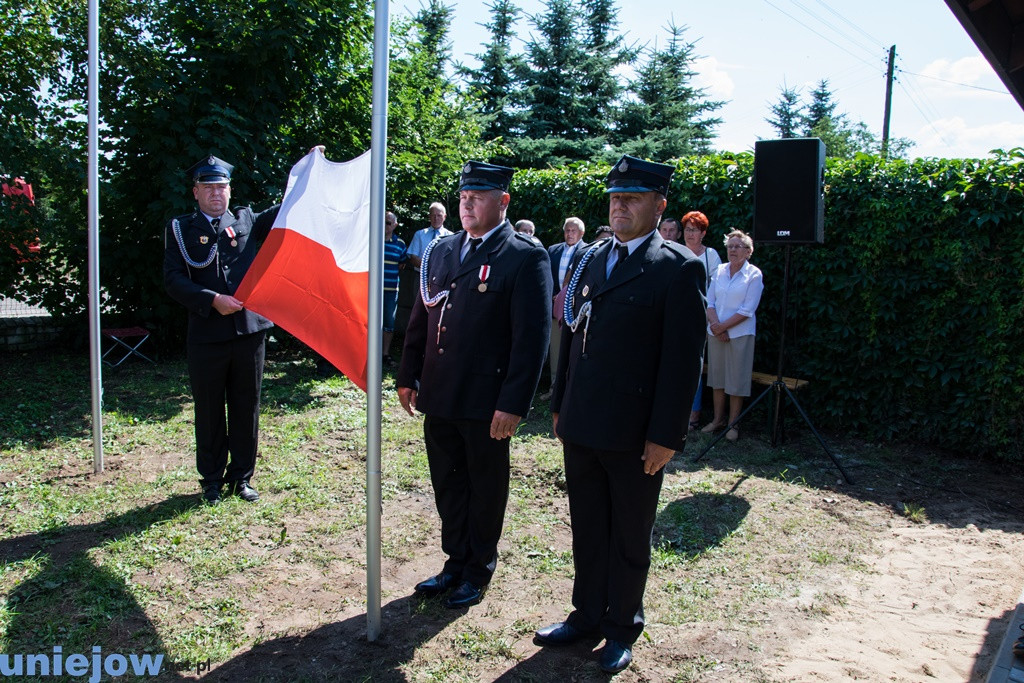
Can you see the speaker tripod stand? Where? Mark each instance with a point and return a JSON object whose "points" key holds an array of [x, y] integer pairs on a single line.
{"points": [[779, 388]]}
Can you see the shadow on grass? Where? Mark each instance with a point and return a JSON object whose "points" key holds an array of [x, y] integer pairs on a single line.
{"points": [[72, 602], [341, 652], [685, 527], [700, 521], [955, 489], [48, 397]]}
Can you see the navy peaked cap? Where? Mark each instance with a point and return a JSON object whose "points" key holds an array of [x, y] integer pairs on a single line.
{"points": [[476, 175], [211, 170], [630, 174]]}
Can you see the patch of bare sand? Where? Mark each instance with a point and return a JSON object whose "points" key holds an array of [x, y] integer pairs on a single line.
{"points": [[929, 610]]}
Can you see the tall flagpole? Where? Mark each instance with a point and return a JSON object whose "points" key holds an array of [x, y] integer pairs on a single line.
{"points": [[378, 149], [95, 364]]}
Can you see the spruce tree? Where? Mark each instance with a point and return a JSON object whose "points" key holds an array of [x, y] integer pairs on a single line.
{"points": [[668, 116], [496, 83], [787, 113], [434, 24], [606, 51], [821, 107], [556, 128]]}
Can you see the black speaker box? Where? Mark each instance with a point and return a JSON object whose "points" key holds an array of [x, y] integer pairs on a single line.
{"points": [[789, 191]]}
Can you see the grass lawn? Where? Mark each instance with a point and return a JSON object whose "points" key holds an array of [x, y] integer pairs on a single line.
{"points": [[759, 552]]}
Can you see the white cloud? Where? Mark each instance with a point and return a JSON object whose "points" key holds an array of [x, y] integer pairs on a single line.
{"points": [[953, 137], [966, 70], [712, 76]]}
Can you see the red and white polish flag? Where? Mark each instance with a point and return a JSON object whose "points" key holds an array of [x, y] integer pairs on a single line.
{"points": [[311, 276]]}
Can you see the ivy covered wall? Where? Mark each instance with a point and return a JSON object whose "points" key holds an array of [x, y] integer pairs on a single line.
{"points": [[908, 321]]}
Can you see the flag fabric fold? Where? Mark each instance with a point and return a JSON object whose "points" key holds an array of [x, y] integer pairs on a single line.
{"points": [[311, 276]]}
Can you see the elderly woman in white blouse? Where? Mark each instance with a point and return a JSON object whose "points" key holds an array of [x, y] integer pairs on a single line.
{"points": [[733, 296]]}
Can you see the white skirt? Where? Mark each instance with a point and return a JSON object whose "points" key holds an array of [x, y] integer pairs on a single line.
{"points": [[730, 364]]}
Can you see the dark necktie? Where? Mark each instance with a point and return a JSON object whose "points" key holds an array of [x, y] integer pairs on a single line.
{"points": [[474, 242], [623, 251], [215, 224]]}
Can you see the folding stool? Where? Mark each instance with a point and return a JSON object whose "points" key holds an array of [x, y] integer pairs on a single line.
{"points": [[120, 337]]}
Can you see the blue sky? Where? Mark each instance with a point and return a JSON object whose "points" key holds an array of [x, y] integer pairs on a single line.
{"points": [[943, 99]]}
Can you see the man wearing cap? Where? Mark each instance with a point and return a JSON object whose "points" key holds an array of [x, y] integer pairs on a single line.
{"points": [[206, 255], [473, 353], [630, 357]]}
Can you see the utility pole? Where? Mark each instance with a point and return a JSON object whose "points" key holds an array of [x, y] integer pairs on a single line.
{"points": [[888, 102]]}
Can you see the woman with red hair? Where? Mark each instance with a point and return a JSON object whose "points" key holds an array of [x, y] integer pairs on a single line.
{"points": [[695, 227]]}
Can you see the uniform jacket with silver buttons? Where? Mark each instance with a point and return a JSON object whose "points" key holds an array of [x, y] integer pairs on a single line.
{"points": [[635, 377], [489, 350], [195, 288]]}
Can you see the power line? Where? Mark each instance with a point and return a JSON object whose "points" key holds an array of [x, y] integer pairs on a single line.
{"points": [[859, 30], [920, 93], [923, 115], [823, 37], [945, 80], [833, 27]]}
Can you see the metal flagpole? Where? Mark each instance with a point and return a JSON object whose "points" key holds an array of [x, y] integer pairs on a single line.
{"points": [[378, 149], [95, 364]]}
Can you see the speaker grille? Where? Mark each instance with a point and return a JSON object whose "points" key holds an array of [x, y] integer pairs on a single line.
{"points": [[789, 191]]}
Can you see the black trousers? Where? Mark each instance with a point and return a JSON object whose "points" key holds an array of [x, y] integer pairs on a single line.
{"points": [[469, 471], [612, 506], [228, 372]]}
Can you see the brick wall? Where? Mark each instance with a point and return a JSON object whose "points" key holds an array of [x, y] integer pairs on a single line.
{"points": [[30, 332]]}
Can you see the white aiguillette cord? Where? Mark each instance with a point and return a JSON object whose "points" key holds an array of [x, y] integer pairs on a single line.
{"points": [[442, 296]]}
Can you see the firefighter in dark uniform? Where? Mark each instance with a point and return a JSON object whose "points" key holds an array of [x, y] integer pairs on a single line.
{"points": [[206, 255], [630, 356], [473, 353]]}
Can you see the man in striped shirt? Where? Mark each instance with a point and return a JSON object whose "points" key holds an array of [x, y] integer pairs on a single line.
{"points": [[394, 259]]}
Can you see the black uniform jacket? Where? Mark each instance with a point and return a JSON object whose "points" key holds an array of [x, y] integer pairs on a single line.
{"points": [[195, 288], [491, 345], [635, 379]]}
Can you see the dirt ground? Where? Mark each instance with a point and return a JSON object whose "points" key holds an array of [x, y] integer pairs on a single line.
{"points": [[927, 601]]}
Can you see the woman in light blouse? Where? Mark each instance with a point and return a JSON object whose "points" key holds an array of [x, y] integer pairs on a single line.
{"points": [[695, 227], [733, 296]]}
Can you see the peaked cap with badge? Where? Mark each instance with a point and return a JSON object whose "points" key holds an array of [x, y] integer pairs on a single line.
{"points": [[211, 171], [630, 174], [477, 175]]}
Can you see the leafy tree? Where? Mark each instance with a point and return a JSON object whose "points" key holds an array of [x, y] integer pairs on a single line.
{"points": [[254, 83], [787, 113], [495, 85], [432, 127], [669, 117], [42, 139]]}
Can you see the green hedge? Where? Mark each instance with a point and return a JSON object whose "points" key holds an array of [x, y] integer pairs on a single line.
{"points": [[907, 321]]}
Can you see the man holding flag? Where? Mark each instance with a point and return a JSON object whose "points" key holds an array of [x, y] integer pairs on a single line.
{"points": [[206, 255], [473, 353]]}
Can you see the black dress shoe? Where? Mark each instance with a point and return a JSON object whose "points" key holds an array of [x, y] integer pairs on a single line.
{"points": [[561, 633], [615, 656], [244, 491], [211, 493], [436, 585], [466, 595]]}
